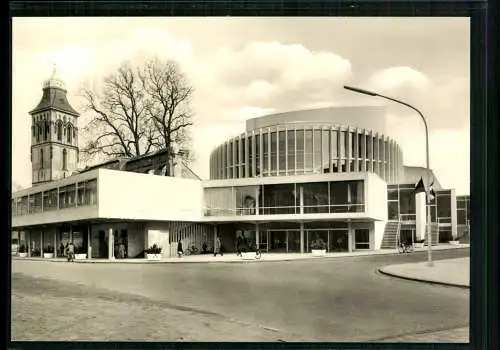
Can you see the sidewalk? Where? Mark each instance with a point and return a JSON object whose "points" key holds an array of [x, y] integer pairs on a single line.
{"points": [[209, 258], [450, 272]]}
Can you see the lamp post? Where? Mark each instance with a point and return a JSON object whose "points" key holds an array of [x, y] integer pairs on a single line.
{"points": [[427, 196]]}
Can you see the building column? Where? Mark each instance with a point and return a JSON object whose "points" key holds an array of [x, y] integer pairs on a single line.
{"points": [[350, 237], [257, 236], [301, 237], [71, 233], [29, 243], [215, 235], [420, 215], [41, 243], [89, 242], [111, 245], [55, 243]]}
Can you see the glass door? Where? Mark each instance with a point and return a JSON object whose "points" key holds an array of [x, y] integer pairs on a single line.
{"points": [[263, 240], [293, 241], [277, 241], [362, 238], [339, 240]]}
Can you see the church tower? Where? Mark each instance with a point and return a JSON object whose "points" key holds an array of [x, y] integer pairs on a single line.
{"points": [[54, 134]]}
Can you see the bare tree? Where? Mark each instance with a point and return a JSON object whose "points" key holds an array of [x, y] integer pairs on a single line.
{"points": [[169, 95], [139, 111]]}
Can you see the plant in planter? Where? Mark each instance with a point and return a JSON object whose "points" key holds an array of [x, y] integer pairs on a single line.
{"points": [[318, 247], [80, 253], [48, 252], [35, 252], [419, 243], [23, 251], [250, 252], [153, 253]]}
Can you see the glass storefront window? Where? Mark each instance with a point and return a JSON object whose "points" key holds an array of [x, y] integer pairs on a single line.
{"points": [[325, 140], [300, 151], [318, 166], [278, 199], [67, 196], [315, 197], [245, 200], [308, 153], [258, 169], [291, 150], [274, 155], [346, 196], [338, 241], [444, 206], [392, 194], [393, 210], [22, 205], [36, 203], [266, 153], [250, 156], [50, 200], [282, 152], [407, 201]]}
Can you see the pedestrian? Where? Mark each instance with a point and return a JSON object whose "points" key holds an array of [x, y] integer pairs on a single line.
{"points": [[71, 251], [61, 249], [121, 250], [218, 247], [179, 249], [239, 243]]}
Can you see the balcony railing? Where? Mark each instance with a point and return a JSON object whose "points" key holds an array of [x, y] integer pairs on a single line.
{"points": [[287, 210], [407, 217]]}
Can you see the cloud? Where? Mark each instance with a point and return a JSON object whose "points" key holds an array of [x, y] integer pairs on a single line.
{"points": [[397, 78], [275, 75]]}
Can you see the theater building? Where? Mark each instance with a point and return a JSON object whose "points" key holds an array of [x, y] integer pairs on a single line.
{"points": [[330, 174]]}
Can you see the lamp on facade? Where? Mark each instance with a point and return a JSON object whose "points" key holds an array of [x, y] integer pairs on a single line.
{"points": [[427, 196]]}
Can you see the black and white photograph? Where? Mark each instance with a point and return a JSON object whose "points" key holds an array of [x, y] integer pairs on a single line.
{"points": [[240, 179]]}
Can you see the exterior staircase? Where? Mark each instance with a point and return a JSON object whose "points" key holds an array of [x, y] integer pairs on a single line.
{"points": [[391, 235]]}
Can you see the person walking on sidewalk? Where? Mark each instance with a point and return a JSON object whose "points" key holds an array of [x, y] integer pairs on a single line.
{"points": [[71, 251], [217, 248], [179, 249]]}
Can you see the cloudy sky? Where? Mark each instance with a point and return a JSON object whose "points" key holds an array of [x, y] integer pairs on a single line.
{"points": [[247, 67]]}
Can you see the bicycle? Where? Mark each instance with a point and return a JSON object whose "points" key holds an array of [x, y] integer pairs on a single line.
{"points": [[191, 251], [405, 248]]}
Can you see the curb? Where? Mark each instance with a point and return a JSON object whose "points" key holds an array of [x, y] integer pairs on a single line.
{"points": [[421, 280], [118, 261]]}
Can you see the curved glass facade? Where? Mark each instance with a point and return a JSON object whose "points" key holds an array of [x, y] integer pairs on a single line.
{"points": [[292, 149]]}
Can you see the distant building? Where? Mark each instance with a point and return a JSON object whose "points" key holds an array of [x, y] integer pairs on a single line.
{"points": [[291, 179]]}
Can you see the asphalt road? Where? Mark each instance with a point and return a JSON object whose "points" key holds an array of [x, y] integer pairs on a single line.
{"points": [[321, 299]]}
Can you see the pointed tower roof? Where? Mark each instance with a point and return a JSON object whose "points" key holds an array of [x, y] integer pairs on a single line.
{"points": [[54, 96]]}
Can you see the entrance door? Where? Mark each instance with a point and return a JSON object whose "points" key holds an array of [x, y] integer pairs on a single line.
{"points": [[277, 241], [263, 241], [362, 238], [294, 241], [339, 240]]}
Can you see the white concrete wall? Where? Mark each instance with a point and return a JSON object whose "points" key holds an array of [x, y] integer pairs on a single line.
{"points": [[378, 234], [158, 233], [376, 197], [124, 195], [454, 230], [420, 215]]}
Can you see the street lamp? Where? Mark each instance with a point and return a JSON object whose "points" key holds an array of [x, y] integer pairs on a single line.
{"points": [[427, 196]]}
